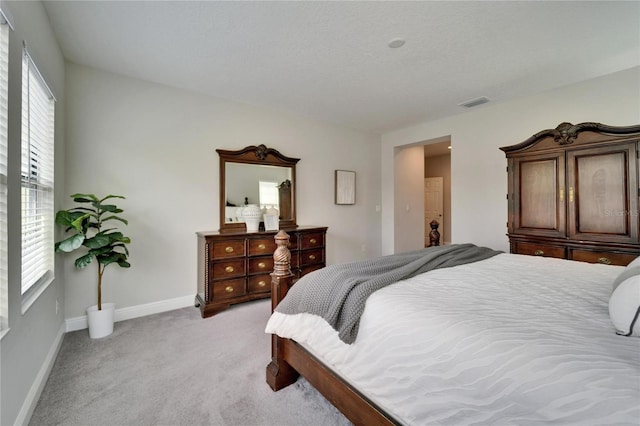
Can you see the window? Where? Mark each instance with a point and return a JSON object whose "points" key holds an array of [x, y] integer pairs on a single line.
{"points": [[4, 77], [268, 192], [37, 181]]}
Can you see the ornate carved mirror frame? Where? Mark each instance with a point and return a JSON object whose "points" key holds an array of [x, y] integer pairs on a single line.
{"points": [[260, 156]]}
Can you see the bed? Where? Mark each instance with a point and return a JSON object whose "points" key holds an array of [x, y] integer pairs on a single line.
{"points": [[510, 339]]}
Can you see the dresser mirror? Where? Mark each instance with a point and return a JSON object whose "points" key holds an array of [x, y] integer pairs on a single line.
{"points": [[256, 175]]}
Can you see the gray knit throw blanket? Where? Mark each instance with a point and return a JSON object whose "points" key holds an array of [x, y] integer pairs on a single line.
{"points": [[338, 293]]}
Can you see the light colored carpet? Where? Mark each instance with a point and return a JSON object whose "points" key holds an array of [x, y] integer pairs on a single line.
{"points": [[176, 368]]}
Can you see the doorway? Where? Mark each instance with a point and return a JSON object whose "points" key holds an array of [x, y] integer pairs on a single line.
{"points": [[433, 208], [437, 190]]}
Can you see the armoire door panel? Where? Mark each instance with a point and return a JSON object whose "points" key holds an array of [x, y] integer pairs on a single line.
{"points": [[538, 194], [601, 194], [540, 183], [601, 199]]}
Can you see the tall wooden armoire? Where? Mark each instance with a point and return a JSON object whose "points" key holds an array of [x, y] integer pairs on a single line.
{"points": [[573, 193]]}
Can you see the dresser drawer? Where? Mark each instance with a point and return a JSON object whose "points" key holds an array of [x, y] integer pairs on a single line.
{"points": [[228, 289], [535, 249], [312, 240], [260, 265], [226, 249], [228, 269], [606, 258], [295, 259], [311, 257], [293, 242], [261, 247], [259, 283], [306, 269]]}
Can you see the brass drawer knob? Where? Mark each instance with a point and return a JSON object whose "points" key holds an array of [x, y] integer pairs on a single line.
{"points": [[261, 246], [604, 261], [312, 257], [262, 265], [538, 253], [228, 289], [313, 241], [228, 249], [261, 283], [229, 269]]}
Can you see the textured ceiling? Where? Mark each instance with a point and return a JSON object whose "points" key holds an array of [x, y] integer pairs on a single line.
{"points": [[330, 60]]}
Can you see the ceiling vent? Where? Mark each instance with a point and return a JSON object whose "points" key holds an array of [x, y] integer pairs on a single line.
{"points": [[475, 102]]}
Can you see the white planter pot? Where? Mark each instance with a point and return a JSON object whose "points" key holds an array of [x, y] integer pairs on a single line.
{"points": [[252, 215], [101, 321]]}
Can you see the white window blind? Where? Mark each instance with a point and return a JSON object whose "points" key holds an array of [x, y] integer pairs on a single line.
{"points": [[38, 107], [4, 78]]}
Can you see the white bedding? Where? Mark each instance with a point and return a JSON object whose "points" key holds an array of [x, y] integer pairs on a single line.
{"points": [[513, 340]]}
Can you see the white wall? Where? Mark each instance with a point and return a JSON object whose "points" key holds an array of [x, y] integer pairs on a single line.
{"points": [[409, 195], [28, 349], [478, 176], [156, 146]]}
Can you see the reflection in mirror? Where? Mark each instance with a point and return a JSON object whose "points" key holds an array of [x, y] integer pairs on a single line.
{"points": [[255, 184]]}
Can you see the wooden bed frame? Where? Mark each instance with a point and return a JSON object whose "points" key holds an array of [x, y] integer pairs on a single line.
{"points": [[562, 240], [289, 360]]}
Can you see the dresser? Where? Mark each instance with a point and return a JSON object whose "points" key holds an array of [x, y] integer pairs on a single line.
{"points": [[235, 267], [573, 193]]}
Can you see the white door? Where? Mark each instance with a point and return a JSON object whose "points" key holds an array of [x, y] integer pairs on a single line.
{"points": [[433, 206]]}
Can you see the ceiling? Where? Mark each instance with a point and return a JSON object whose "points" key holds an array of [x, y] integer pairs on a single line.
{"points": [[330, 61], [437, 149]]}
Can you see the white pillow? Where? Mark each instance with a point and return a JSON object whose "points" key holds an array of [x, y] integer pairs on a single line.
{"points": [[624, 307], [635, 262], [629, 271]]}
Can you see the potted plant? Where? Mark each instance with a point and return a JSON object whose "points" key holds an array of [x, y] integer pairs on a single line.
{"points": [[106, 246]]}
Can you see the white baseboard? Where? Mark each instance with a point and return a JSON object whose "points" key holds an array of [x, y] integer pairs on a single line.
{"points": [[31, 400], [80, 323]]}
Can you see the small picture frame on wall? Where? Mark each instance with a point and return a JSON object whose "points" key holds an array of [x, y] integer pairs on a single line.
{"points": [[345, 187]]}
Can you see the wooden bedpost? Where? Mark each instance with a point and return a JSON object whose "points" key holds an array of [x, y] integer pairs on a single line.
{"points": [[279, 373], [434, 235]]}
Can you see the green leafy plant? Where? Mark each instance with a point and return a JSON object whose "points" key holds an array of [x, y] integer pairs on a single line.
{"points": [[107, 246]]}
